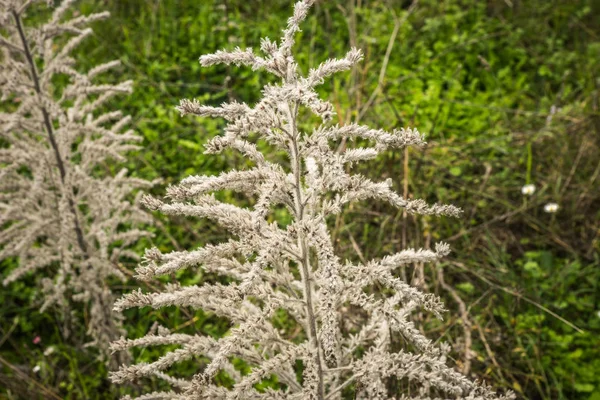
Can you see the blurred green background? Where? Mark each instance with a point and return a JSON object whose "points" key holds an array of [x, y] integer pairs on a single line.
{"points": [[507, 94]]}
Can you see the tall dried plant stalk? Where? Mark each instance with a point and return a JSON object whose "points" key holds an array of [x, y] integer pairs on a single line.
{"points": [[344, 349], [62, 216]]}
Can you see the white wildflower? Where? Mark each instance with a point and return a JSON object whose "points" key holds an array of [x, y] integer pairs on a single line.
{"points": [[551, 208], [36, 369], [528, 190], [49, 351]]}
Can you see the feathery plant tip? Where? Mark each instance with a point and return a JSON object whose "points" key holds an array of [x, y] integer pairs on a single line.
{"points": [[60, 213], [294, 268]]}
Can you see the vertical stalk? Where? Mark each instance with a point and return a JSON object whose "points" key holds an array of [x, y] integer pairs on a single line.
{"points": [[305, 269], [404, 214], [49, 130], [97, 290]]}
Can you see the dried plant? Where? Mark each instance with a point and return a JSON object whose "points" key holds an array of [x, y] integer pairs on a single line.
{"points": [[60, 210], [346, 326]]}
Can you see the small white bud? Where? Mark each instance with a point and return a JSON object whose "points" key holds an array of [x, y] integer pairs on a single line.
{"points": [[528, 190]]}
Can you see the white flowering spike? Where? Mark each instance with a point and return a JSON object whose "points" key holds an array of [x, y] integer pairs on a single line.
{"points": [[346, 326], [551, 208], [59, 212], [528, 190]]}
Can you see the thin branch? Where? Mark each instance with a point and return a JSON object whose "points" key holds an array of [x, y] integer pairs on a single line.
{"points": [[11, 46], [50, 131], [520, 296], [398, 23], [26, 377], [341, 387], [305, 264], [466, 322]]}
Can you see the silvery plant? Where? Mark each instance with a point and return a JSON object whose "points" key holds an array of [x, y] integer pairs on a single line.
{"points": [[347, 327], [64, 218]]}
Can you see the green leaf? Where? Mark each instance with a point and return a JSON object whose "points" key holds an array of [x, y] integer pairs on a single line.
{"points": [[466, 287], [455, 171], [583, 387], [189, 144], [544, 71]]}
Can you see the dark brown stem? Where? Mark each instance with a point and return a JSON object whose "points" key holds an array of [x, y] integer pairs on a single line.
{"points": [[50, 130]]}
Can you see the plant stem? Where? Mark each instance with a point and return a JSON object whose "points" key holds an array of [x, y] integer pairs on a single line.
{"points": [[305, 269], [50, 131]]}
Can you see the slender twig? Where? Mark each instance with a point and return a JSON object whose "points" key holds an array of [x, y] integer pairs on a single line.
{"points": [[11, 46], [50, 131], [574, 166], [520, 296], [386, 59], [466, 321], [341, 387], [26, 377], [305, 269], [488, 349], [357, 248]]}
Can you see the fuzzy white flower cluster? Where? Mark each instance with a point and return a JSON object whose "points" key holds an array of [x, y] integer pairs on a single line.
{"points": [[551, 208], [56, 211], [528, 190], [347, 326]]}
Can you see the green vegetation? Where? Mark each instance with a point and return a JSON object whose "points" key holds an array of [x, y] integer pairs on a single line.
{"points": [[507, 93]]}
